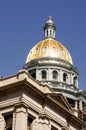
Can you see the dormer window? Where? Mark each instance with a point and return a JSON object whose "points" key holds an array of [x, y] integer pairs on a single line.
{"points": [[44, 49], [36, 50], [62, 51], [54, 48]]}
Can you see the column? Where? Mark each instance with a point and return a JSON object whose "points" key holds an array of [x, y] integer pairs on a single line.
{"points": [[76, 109], [80, 105], [77, 82], [76, 105], [61, 76], [49, 74], [14, 119], [20, 119], [2, 122], [38, 74], [71, 78]]}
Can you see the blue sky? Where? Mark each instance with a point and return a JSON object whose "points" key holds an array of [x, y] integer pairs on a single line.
{"points": [[21, 27]]}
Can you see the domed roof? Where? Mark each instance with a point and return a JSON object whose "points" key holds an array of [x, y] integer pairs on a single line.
{"points": [[49, 47]]}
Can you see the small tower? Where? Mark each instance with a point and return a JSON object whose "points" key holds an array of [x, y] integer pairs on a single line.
{"points": [[49, 28]]}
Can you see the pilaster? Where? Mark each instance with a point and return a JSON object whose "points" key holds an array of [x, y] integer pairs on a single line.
{"points": [[80, 105], [20, 118], [61, 76], [2, 122]]}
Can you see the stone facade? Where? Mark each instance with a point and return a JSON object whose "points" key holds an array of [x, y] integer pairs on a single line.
{"points": [[27, 104]]}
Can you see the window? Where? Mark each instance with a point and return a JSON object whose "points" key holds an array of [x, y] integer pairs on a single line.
{"points": [[75, 80], [54, 74], [43, 74], [44, 48], [62, 51], [36, 50], [47, 33], [53, 48], [33, 73], [8, 120], [29, 121], [50, 32], [65, 77]]}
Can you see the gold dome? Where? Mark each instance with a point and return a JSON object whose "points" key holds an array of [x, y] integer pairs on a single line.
{"points": [[49, 47]]}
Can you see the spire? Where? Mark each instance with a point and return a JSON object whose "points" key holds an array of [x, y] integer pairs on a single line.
{"points": [[49, 28]]}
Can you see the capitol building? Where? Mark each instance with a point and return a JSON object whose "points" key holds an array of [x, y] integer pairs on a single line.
{"points": [[44, 94]]}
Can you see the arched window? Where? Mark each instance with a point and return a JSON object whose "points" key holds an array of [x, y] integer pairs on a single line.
{"points": [[75, 80], [50, 32], [47, 33], [54, 74], [43, 74], [65, 77], [33, 73]]}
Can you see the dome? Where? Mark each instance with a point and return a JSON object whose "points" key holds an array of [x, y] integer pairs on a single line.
{"points": [[49, 61], [51, 48]]}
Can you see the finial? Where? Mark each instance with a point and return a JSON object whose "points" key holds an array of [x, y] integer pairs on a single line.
{"points": [[50, 20]]}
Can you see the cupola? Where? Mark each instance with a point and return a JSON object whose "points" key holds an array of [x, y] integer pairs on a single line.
{"points": [[49, 28]]}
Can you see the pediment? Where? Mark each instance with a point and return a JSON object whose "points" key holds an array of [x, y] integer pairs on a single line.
{"points": [[61, 101]]}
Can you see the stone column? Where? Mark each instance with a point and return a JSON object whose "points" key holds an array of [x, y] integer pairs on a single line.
{"points": [[40, 124], [77, 83], [76, 105], [49, 74], [2, 123], [76, 109], [80, 104], [14, 119], [71, 78], [20, 119], [38, 74], [61, 76]]}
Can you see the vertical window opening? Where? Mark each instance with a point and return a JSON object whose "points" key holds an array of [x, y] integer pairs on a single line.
{"points": [[47, 33], [33, 73], [50, 32], [8, 120], [65, 77], [75, 80], [30, 120], [54, 74], [43, 74]]}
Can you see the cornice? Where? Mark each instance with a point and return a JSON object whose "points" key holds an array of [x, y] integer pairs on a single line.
{"points": [[49, 61]]}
